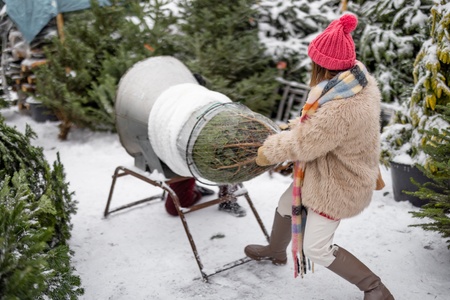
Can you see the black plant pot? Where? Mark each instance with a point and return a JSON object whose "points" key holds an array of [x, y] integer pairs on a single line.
{"points": [[40, 113], [401, 181]]}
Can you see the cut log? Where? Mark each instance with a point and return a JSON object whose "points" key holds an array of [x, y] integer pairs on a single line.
{"points": [[31, 63], [17, 78], [31, 79], [28, 88]]}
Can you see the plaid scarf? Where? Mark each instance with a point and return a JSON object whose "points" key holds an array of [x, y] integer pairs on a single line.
{"points": [[343, 85]]}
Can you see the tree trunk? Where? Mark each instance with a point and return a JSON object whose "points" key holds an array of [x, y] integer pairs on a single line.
{"points": [[64, 129]]}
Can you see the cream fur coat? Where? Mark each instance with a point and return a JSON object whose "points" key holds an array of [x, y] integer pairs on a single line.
{"points": [[340, 145]]}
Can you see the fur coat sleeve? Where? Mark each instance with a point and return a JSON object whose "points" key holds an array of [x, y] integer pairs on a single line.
{"points": [[317, 136]]}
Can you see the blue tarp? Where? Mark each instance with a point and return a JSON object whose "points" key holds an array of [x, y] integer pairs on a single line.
{"points": [[30, 16], [73, 5]]}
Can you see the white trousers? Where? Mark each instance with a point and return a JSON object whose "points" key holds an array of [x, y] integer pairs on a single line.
{"points": [[319, 232]]}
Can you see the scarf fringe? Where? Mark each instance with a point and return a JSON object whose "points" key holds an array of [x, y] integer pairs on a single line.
{"points": [[302, 265]]}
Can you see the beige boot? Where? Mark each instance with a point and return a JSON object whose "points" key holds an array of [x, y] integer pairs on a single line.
{"points": [[279, 240], [350, 268]]}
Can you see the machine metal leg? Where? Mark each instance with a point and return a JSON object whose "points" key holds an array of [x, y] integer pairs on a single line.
{"points": [[122, 171]]}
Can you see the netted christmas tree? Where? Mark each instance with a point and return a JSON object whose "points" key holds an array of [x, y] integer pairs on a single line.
{"points": [[35, 208], [393, 33], [99, 45], [224, 142], [437, 168], [219, 40], [404, 138]]}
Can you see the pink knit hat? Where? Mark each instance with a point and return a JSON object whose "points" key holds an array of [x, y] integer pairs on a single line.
{"points": [[334, 48]]}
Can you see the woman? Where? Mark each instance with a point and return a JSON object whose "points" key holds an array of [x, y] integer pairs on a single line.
{"points": [[335, 145]]}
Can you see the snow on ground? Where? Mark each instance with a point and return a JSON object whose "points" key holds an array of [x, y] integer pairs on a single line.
{"points": [[143, 253]]}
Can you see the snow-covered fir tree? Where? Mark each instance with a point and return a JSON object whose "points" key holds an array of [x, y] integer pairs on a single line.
{"points": [[287, 27], [36, 207], [402, 141], [392, 35]]}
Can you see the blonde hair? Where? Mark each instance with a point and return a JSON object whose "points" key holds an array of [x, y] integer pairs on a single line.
{"points": [[319, 74]]}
